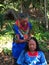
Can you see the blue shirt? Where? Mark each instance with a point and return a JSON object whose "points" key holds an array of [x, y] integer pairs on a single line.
{"points": [[16, 47], [25, 59]]}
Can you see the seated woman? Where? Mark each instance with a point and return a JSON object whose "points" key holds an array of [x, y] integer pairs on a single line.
{"points": [[32, 55]]}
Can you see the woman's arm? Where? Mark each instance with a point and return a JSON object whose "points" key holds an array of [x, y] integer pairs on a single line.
{"points": [[43, 59], [21, 58]]}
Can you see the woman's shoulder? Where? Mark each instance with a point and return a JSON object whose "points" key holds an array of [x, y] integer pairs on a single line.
{"points": [[40, 52]]}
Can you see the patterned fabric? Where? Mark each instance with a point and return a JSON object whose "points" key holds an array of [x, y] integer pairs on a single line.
{"points": [[33, 54], [22, 27], [16, 47], [27, 59]]}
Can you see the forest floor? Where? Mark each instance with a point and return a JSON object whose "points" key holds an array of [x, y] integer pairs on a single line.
{"points": [[47, 57]]}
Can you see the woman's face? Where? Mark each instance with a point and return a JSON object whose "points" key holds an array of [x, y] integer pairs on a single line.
{"points": [[32, 45]]}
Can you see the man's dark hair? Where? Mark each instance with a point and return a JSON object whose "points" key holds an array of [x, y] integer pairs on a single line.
{"points": [[22, 15]]}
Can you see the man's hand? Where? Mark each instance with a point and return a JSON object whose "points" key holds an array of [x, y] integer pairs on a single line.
{"points": [[26, 36]]}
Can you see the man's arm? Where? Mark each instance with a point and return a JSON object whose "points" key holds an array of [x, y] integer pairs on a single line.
{"points": [[18, 40]]}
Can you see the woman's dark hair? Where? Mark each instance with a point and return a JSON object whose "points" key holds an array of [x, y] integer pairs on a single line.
{"points": [[37, 44]]}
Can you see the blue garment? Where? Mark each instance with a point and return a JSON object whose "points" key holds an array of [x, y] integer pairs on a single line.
{"points": [[25, 59], [16, 47]]}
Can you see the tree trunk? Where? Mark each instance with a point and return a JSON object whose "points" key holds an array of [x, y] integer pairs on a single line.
{"points": [[46, 19]]}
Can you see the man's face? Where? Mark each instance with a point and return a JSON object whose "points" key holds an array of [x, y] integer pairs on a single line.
{"points": [[24, 21]]}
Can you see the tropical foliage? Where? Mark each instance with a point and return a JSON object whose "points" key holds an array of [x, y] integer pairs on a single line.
{"points": [[39, 23]]}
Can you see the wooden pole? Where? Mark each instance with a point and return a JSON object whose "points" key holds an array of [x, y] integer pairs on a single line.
{"points": [[46, 19], [21, 7]]}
